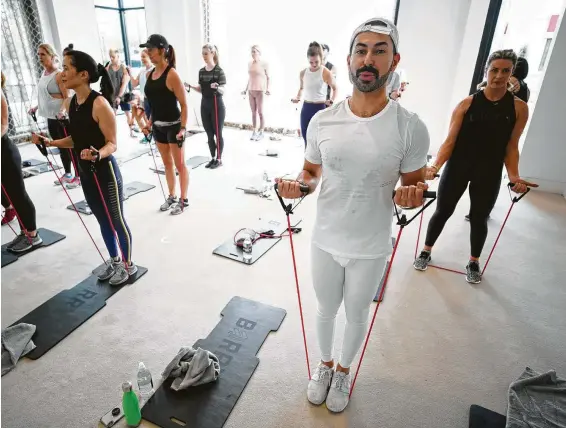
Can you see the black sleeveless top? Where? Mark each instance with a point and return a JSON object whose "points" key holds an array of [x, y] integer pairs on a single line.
{"points": [[163, 101], [485, 132], [85, 130]]}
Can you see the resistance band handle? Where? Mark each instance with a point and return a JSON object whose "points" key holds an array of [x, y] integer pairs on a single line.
{"points": [[302, 187], [33, 116], [518, 198], [427, 194]]}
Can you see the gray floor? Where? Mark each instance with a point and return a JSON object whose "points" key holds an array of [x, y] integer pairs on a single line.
{"points": [[438, 346]]}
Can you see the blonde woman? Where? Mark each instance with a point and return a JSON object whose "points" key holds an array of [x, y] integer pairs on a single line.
{"points": [[211, 83], [258, 84], [50, 95]]}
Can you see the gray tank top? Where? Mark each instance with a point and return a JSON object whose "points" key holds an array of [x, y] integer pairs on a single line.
{"points": [[116, 78]]}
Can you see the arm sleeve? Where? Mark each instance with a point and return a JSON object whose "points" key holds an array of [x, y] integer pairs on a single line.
{"points": [[312, 152], [417, 146], [221, 78]]}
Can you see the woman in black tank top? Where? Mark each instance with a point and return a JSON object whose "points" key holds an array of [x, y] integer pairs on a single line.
{"points": [[93, 139], [484, 135], [164, 92]]}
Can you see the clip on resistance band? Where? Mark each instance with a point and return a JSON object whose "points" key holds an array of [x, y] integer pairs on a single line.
{"points": [[288, 211], [149, 137], [43, 149], [514, 200], [401, 221]]}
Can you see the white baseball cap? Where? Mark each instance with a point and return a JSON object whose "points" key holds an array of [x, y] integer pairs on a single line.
{"points": [[380, 26]]}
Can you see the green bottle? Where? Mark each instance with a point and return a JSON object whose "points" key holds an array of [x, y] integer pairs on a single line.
{"points": [[131, 405]]}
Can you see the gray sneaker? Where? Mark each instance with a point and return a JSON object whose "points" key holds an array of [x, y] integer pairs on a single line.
{"points": [[23, 243], [168, 202], [259, 136], [473, 272], [180, 207], [110, 269], [339, 394], [422, 261], [319, 384], [254, 135], [122, 274]]}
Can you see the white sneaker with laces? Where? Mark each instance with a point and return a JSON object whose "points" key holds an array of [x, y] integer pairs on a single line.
{"points": [[319, 384], [339, 394]]}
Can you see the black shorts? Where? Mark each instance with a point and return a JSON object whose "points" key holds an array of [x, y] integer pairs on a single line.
{"points": [[166, 134]]}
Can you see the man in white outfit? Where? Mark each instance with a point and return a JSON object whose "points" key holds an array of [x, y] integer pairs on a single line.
{"points": [[359, 148]]}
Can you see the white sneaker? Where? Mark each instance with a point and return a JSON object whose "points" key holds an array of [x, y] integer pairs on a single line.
{"points": [[254, 135], [319, 384], [339, 394]]}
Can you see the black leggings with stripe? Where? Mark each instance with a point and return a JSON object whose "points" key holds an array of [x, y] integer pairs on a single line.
{"points": [[110, 180]]}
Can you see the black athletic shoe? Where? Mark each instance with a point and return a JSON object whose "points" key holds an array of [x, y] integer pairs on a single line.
{"points": [[422, 261], [217, 163], [209, 164], [473, 272]]}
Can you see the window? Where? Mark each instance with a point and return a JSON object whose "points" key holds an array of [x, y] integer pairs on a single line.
{"points": [[544, 54], [121, 26]]}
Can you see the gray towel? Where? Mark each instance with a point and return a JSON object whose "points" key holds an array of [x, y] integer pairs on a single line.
{"points": [[16, 342], [537, 400], [192, 367]]}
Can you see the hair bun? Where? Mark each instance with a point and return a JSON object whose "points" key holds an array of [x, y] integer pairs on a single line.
{"points": [[100, 69], [71, 46]]}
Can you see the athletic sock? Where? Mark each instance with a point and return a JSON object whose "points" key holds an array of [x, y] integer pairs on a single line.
{"points": [[116, 259]]}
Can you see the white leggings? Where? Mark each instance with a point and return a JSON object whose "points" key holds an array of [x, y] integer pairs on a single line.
{"points": [[353, 280]]}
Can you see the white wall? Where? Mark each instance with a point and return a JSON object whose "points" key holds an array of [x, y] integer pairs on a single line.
{"points": [[75, 22], [543, 158], [468, 53], [431, 46], [179, 21]]}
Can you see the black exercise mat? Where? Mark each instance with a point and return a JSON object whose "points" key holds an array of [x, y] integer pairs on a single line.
{"points": [[63, 313], [32, 162], [48, 236], [480, 417], [192, 163], [130, 189], [197, 161], [44, 167], [134, 155], [136, 187], [235, 340], [82, 207], [8, 257], [229, 250]]}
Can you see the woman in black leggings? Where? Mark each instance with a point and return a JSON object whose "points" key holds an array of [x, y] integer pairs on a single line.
{"points": [[212, 81], [14, 190], [484, 135], [92, 136], [50, 96]]}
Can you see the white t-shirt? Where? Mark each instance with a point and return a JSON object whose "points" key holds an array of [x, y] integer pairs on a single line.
{"points": [[362, 159]]}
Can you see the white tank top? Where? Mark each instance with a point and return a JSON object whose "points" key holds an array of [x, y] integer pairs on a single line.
{"points": [[48, 106], [314, 86]]}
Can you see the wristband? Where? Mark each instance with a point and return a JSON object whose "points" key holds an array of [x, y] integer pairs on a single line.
{"points": [[435, 167]]}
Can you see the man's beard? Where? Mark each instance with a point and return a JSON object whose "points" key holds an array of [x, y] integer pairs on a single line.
{"points": [[372, 86]]}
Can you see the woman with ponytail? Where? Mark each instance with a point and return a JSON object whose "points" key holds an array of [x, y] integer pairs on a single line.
{"points": [[164, 91], [50, 96], [314, 82], [212, 81], [92, 126]]}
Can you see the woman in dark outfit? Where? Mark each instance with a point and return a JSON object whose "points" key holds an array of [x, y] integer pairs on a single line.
{"points": [[484, 135]]}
